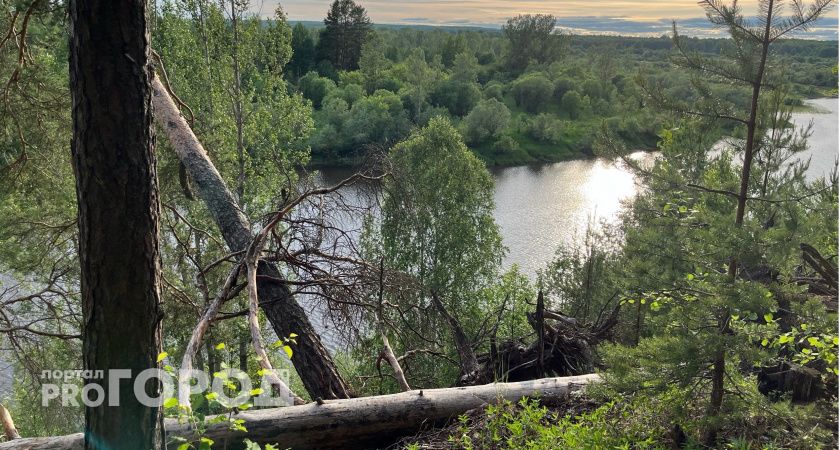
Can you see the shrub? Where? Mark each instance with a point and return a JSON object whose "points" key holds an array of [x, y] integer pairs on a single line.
{"points": [[572, 104], [527, 424], [487, 120], [378, 118], [532, 92], [494, 89], [546, 128], [561, 86], [315, 87], [458, 97], [505, 144], [350, 93]]}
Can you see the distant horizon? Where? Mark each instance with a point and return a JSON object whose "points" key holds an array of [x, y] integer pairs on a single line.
{"points": [[604, 28], [649, 19]]}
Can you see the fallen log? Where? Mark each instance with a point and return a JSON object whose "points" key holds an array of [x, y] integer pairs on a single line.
{"points": [[365, 422]]}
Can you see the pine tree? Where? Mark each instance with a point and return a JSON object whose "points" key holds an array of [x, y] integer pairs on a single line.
{"points": [[347, 28]]}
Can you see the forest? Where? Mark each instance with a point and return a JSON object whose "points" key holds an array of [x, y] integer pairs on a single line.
{"points": [[160, 209]]}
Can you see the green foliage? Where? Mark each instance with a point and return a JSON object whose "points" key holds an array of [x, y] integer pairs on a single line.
{"points": [[532, 92], [486, 121], [439, 210], [586, 276], [426, 69], [315, 87], [437, 227], [346, 29], [459, 97], [532, 39], [506, 144], [572, 104], [529, 425], [545, 128], [303, 51], [379, 118], [465, 68], [494, 89]]}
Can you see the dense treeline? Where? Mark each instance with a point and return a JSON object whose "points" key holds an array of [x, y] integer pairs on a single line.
{"points": [[554, 101]]}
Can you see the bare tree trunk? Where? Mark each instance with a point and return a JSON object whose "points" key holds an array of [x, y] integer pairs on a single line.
{"points": [[9, 430], [119, 213], [387, 351], [311, 359], [466, 355]]}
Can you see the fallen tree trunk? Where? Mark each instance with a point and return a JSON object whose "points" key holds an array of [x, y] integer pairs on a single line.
{"points": [[352, 423], [312, 362]]}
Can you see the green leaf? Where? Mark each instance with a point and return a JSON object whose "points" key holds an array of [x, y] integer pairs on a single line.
{"points": [[689, 276], [764, 342], [220, 346], [288, 351], [768, 317], [161, 356], [256, 391], [212, 396], [293, 335], [184, 446], [170, 402]]}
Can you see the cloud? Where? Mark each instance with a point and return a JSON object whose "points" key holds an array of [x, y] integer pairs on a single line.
{"points": [[626, 17]]}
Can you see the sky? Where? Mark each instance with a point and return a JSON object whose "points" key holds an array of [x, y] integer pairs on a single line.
{"points": [[626, 17]]}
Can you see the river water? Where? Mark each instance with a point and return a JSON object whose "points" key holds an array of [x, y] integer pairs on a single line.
{"points": [[539, 208]]}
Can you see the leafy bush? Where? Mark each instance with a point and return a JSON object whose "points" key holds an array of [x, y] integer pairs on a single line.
{"points": [[487, 120], [494, 89], [532, 92], [572, 104], [458, 97], [315, 87], [529, 425], [349, 93], [506, 144], [546, 128], [379, 118], [561, 86]]}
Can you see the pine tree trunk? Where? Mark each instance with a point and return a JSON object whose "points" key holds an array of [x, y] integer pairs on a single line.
{"points": [[719, 359], [116, 187]]}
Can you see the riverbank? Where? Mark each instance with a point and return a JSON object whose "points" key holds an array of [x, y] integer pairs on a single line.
{"points": [[574, 147]]}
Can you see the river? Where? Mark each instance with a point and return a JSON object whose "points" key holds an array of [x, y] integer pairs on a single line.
{"points": [[539, 208]]}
